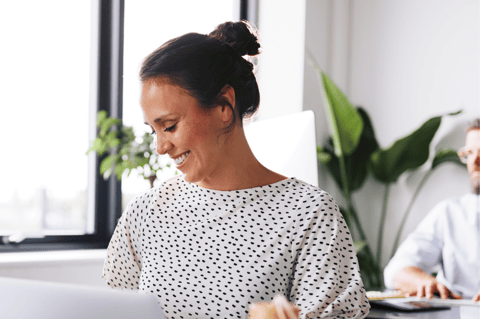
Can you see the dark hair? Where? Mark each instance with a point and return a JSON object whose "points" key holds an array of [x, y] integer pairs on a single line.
{"points": [[474, 126], [205, 64]]}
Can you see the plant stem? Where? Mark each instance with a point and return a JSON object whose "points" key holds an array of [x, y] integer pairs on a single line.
{"points": [[407, 211], [375, 276], [353, 213], [343, 174], [373, 269], [382, 224], [348, 198], [152, 178]]}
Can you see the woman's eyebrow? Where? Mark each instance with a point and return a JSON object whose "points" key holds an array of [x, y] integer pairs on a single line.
{"points": [[161, 118]]}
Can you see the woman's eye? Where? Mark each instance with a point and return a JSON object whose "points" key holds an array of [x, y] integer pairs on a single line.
{"points": [[153, 133], [171, 128]]}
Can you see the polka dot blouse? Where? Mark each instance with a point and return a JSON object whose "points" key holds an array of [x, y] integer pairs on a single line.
{"points": [[209, 254]]}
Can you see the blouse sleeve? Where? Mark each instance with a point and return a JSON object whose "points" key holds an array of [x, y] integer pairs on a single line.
{"points": [[122, 267], [326, 281]]}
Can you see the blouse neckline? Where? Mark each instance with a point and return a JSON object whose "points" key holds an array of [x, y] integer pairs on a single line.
{"points": [[243, 190]]}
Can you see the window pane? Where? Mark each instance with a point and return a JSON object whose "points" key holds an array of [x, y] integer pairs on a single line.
{"points": [[44, 124], [148, 24]]}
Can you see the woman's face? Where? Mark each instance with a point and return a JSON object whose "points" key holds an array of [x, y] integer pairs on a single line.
{"points": [[183, 130]]}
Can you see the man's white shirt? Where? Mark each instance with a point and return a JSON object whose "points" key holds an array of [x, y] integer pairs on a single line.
{"points": [[449, 237]]}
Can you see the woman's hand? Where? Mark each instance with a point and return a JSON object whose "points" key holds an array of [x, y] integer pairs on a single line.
{"points": [[278, 308]]}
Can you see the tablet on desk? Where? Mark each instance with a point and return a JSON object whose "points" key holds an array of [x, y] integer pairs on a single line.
{"points": [[27, 299], [407, 306]]}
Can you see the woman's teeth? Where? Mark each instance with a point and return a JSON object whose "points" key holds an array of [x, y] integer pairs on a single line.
{"points": [[180, 159]]}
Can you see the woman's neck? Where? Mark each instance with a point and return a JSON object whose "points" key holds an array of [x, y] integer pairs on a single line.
{"points": [[239, 168]]}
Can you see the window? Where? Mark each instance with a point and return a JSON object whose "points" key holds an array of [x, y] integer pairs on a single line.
{"points": [[45, 63], [58, 70], [61, 62]]}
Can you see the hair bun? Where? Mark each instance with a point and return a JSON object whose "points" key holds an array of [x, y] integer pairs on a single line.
{"points": [[240, 35]]}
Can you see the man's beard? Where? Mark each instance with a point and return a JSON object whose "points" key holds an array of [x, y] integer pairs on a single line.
{"points": [[475, 182]]}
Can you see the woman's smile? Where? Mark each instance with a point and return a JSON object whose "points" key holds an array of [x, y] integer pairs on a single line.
{"points": [[181, 159]]}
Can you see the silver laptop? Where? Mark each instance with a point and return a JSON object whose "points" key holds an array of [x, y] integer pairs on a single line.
{"points": [[22, 299]]}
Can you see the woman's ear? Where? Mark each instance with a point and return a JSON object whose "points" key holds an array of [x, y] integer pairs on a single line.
{"points": [[228, 96]]}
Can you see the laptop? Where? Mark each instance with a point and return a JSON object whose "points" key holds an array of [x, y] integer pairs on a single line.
{"points": [[32, 299]]}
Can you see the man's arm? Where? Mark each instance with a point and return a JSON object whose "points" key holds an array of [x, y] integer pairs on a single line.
{"points": [[414, 281], [418, 255]]}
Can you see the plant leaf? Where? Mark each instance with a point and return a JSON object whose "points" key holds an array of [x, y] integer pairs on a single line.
{"points": [[356, 164], [101, 116], [108, 123], [359, 245], [106, 163], [323, 157], [444, 156], [455, 113], [99, 146], [120, 168], [406, 153], [344, 122]]}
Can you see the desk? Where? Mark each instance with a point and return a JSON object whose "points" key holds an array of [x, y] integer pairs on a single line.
{"points": [[455, 312]]}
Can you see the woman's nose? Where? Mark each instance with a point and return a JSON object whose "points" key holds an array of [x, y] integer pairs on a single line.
{"points": [[163, 146]]}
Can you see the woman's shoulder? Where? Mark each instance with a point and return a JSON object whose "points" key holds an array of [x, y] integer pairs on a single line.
{"points": [[171, 184], [307, 189], [311, 198]]}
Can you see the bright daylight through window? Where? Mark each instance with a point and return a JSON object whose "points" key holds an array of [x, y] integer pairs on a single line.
{"points": [[45, 63]]}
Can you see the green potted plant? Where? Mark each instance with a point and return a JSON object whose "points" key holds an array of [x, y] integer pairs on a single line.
{"points": [[127, 152], [352, 152]]}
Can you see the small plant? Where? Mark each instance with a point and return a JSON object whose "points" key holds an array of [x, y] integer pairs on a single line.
{"points": [[127, 152]]}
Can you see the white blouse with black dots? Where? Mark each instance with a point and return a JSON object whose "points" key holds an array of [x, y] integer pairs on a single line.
{"points": [[209, 254]]}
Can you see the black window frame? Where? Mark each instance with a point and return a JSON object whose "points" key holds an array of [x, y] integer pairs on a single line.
{"points": [[106, 87], [107, 93]]}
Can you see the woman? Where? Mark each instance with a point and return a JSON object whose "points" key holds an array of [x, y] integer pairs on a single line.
{"points": [[229, 232]]}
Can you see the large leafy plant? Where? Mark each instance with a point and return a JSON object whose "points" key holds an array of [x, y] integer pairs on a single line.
{"points": [[127, 152], [352, 152]]}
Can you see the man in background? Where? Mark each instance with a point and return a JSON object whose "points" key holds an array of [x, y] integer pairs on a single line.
{"points": [[449, 237]]}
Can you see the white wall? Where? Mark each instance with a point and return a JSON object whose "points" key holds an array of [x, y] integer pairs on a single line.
{"points": [[280, 75], [404, 61]]}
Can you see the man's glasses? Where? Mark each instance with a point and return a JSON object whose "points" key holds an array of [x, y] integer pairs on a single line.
{"points": [[464, 153]]}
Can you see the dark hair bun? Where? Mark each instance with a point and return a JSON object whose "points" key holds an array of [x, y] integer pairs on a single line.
{"points": [[240, 35]]}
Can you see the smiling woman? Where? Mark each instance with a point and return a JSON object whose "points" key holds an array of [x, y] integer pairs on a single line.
{"points": [[228, 232], [211, 92]]}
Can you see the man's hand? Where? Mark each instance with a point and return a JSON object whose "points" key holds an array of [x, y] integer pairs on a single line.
{"points": [[430, 287], [477, 297], [278, 308], [413, 281]]}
